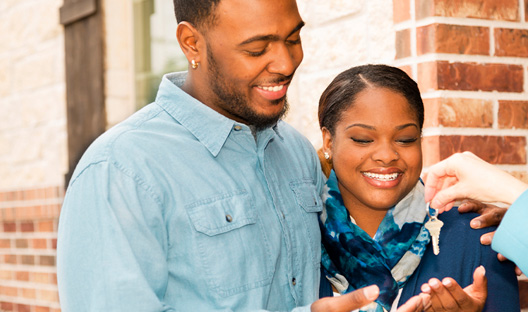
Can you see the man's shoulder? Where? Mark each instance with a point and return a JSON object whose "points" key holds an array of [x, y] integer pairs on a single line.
{"points": [[143, 132], [288, 132]]}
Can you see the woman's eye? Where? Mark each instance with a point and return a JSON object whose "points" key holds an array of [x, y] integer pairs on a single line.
{"points": [[407, 140], [361, 141]]}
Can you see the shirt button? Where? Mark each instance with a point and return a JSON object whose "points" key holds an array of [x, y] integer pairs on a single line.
{"points": [[229, 218], [237, 128], [294, 281]]}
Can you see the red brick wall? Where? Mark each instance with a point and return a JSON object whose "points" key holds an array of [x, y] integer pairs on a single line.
{"points": [[28, 242], [470, 59]]}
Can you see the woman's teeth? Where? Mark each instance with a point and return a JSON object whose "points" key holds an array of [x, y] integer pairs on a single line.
{"points": [[381, 177], [272, 89]]}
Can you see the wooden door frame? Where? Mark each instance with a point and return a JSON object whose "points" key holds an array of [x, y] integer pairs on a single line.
{"points": [[84, 57]]}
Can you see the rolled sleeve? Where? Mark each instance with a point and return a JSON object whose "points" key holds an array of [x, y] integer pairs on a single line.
{"points": [[511, 238]]}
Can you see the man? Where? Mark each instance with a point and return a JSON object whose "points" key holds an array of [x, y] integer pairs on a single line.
{"points": [[204, 200]]}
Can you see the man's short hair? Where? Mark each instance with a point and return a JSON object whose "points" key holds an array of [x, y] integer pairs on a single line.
{"points": [[200, 13]]}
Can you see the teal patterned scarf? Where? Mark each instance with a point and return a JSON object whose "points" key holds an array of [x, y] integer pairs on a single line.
{"points": [[352, 259]]}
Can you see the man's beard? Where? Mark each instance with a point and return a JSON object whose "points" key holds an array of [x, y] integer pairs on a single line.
{"points": [[236, 103]]}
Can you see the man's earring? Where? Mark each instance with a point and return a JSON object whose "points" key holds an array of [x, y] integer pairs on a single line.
{"points": [[326, 156], [194, 65]]}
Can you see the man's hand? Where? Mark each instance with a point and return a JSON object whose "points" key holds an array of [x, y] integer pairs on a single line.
{"points": [[449, 296], [490, 215], [346, 303]]}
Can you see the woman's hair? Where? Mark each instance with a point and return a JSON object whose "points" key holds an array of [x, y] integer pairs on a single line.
{"points": [[343, 90]]}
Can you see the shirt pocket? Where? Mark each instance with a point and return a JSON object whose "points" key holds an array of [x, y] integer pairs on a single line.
{"points": [[230, 244], [309, 200]]}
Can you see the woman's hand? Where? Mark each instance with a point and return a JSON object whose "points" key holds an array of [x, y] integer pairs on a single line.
{"points": [[449, 296]]}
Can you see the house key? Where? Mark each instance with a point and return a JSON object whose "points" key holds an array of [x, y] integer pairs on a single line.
{"points": [[433, 226]]}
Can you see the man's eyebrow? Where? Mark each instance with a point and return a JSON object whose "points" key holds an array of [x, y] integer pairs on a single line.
{"points": [[271, 37]]}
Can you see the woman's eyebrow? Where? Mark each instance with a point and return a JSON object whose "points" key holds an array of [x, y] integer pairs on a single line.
{"points": [[374, 128], [361, 125]]}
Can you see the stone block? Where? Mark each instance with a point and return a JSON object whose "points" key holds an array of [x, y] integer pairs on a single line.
{"points": [[322, 11], [350, 41], [5, 76], [118, 34], [36, 71]]}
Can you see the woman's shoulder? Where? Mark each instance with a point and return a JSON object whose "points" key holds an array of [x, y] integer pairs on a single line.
{"points": [[460, 254]]}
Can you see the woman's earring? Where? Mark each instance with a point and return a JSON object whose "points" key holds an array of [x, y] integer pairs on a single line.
{"points": [[194, 65], [326, 156]]}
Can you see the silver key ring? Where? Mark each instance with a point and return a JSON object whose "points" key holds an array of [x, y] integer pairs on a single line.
{"points": [[435, 213]]}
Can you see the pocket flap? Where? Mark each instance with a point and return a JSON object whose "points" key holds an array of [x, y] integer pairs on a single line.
{"points": [[223, 213], [307, 196]]}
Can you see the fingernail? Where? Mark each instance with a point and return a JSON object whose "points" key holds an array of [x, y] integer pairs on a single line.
{"points": [[447, 282], [371, 292], [426, 288], [475, 224], [434, 284], [485, 240], [482, 269]]}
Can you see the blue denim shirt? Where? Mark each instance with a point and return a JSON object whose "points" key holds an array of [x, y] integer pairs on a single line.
{"points": [[179, 208]]}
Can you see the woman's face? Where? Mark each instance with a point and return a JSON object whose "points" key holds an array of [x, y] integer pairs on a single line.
{"points": [[376, 150]]}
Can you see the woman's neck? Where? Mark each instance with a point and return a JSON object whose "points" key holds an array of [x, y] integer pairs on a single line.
{"points": [[366, 218]]}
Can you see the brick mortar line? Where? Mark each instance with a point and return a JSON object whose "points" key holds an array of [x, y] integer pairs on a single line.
{"points": [[462, 58], [24, 284], [29, 235], [32, 188], [30, 268], [28, 251], [30, 203], [466, 131], [460, 21], [477, 95], [30, 302]]}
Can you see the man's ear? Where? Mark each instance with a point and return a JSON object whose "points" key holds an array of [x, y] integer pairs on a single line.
{"points": [[191, 41]]}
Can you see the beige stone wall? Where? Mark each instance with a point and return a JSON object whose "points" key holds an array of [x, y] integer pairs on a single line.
{"points": [[32, 94], [338, 34], [119, 60]]}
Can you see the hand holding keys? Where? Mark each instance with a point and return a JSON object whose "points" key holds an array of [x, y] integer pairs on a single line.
{"points": [[433, 226]]}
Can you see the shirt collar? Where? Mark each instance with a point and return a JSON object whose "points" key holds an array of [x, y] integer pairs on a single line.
{"points": [[210, 127]]}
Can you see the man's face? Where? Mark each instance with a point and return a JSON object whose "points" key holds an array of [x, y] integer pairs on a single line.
{"points": [[253, 50]]}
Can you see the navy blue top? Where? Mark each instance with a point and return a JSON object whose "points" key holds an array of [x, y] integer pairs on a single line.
{"points": [[460, 254]]}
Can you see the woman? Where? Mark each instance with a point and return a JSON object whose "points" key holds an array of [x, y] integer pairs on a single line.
{"points": [[373, 224]]}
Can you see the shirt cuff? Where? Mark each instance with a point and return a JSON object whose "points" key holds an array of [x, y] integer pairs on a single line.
{"points": [[511, 238]]}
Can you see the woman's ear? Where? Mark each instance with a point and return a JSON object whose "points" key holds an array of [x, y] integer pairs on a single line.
{"points": [[191, 42], [325, 153], [327, 143]]}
